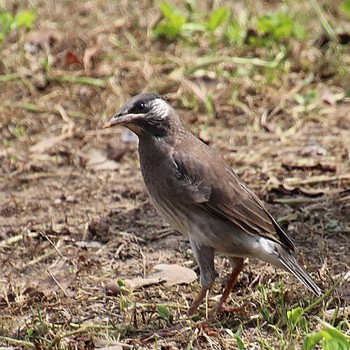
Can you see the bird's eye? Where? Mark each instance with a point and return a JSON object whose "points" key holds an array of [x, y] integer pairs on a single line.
{"points": [[140, 107]]}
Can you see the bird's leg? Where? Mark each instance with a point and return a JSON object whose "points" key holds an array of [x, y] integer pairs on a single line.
{"points": [[205, 259], [201, 295], [237, 265]]}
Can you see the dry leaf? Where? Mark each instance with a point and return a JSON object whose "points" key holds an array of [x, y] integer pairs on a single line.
{"points": [[103, 70], [72, 58], [45, 144], [170, 275], [95, 159], [342, 312], [313, 149], [174, 274], [307, 165], [106, 344]]}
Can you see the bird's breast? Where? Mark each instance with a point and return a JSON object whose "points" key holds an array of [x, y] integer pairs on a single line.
{"points": [[159, 174]]}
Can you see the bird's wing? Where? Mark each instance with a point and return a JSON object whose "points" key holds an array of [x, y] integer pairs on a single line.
{"points": [[210, 183]]}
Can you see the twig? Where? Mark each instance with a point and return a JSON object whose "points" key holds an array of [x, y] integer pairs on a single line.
{"points": [[316, 179], [298, 200], [31, 107], [81, 80], [17, 238], [323, 19], [42, 175], [17, 342], [55, 280], [52, 243], [38, 259]]}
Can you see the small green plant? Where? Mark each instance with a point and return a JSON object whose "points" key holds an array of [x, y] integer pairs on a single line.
{"points": [[330, 338], [23, 19], [237, 337], [296, 318], [17, 130], [234, 32], [125, 293], [306, 99], [345, 6], [217, 18], [164, 312], [175, 24], [279, 26]]}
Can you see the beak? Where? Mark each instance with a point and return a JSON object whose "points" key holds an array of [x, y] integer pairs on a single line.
{"points": [[120, 119]]}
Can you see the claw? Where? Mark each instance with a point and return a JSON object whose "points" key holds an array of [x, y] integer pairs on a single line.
{"points": [[222, 307]]}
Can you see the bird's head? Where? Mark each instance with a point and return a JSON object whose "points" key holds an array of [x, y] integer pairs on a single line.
{"points": [[145, 114]]}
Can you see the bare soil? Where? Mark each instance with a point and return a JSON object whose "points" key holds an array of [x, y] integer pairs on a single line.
{"points": [[74, 214]]}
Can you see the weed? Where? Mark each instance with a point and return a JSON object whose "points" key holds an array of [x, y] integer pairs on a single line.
{"points": [[330, 338], [345, 6], [280, 26], [176, 25], [8, 21], [237, 337]]}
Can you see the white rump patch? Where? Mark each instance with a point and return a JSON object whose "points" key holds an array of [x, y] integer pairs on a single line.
{"points": [[267, 245]]}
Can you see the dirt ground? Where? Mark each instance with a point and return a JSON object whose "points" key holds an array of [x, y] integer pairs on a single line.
{"points": [[74, 214]]}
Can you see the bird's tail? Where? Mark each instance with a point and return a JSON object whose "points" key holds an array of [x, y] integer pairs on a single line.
{"points": [[291, 264]]}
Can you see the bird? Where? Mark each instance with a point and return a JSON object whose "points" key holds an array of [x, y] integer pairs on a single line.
{"points": [[200, 195]]}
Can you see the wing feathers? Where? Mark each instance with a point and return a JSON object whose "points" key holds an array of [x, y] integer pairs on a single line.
{"points": [[212, 184]]}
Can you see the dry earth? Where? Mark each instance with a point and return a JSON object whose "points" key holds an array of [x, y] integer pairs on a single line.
{"points": [[74, 214]]}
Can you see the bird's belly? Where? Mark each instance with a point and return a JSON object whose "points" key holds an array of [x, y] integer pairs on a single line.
{"points": [[200, 226], [173, 213]]}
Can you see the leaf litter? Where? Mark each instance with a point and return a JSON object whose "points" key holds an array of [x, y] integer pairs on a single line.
{"points": [[75, 215]]}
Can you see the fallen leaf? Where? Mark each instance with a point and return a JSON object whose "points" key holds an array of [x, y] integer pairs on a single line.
{"points": [[95, 159], [45, 144], [174, 274], [342, 312], [169, 275], [311, 192], [103, 70], [72, 58], [106, 344]]}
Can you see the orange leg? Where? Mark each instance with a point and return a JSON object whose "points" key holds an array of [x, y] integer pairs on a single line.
{"points": [[201, 295], [220, 306]]}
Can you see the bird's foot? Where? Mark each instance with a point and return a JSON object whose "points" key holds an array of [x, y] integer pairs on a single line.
{"points": [[222, 307]]}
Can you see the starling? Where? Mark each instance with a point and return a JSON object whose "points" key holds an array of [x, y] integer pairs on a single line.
{"points": [[199, 194]]}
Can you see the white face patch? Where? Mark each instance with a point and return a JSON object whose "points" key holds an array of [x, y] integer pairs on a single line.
{"points": [[160, 108]]}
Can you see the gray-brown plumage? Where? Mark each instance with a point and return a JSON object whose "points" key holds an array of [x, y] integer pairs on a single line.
{"points": [[202, 197]]}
